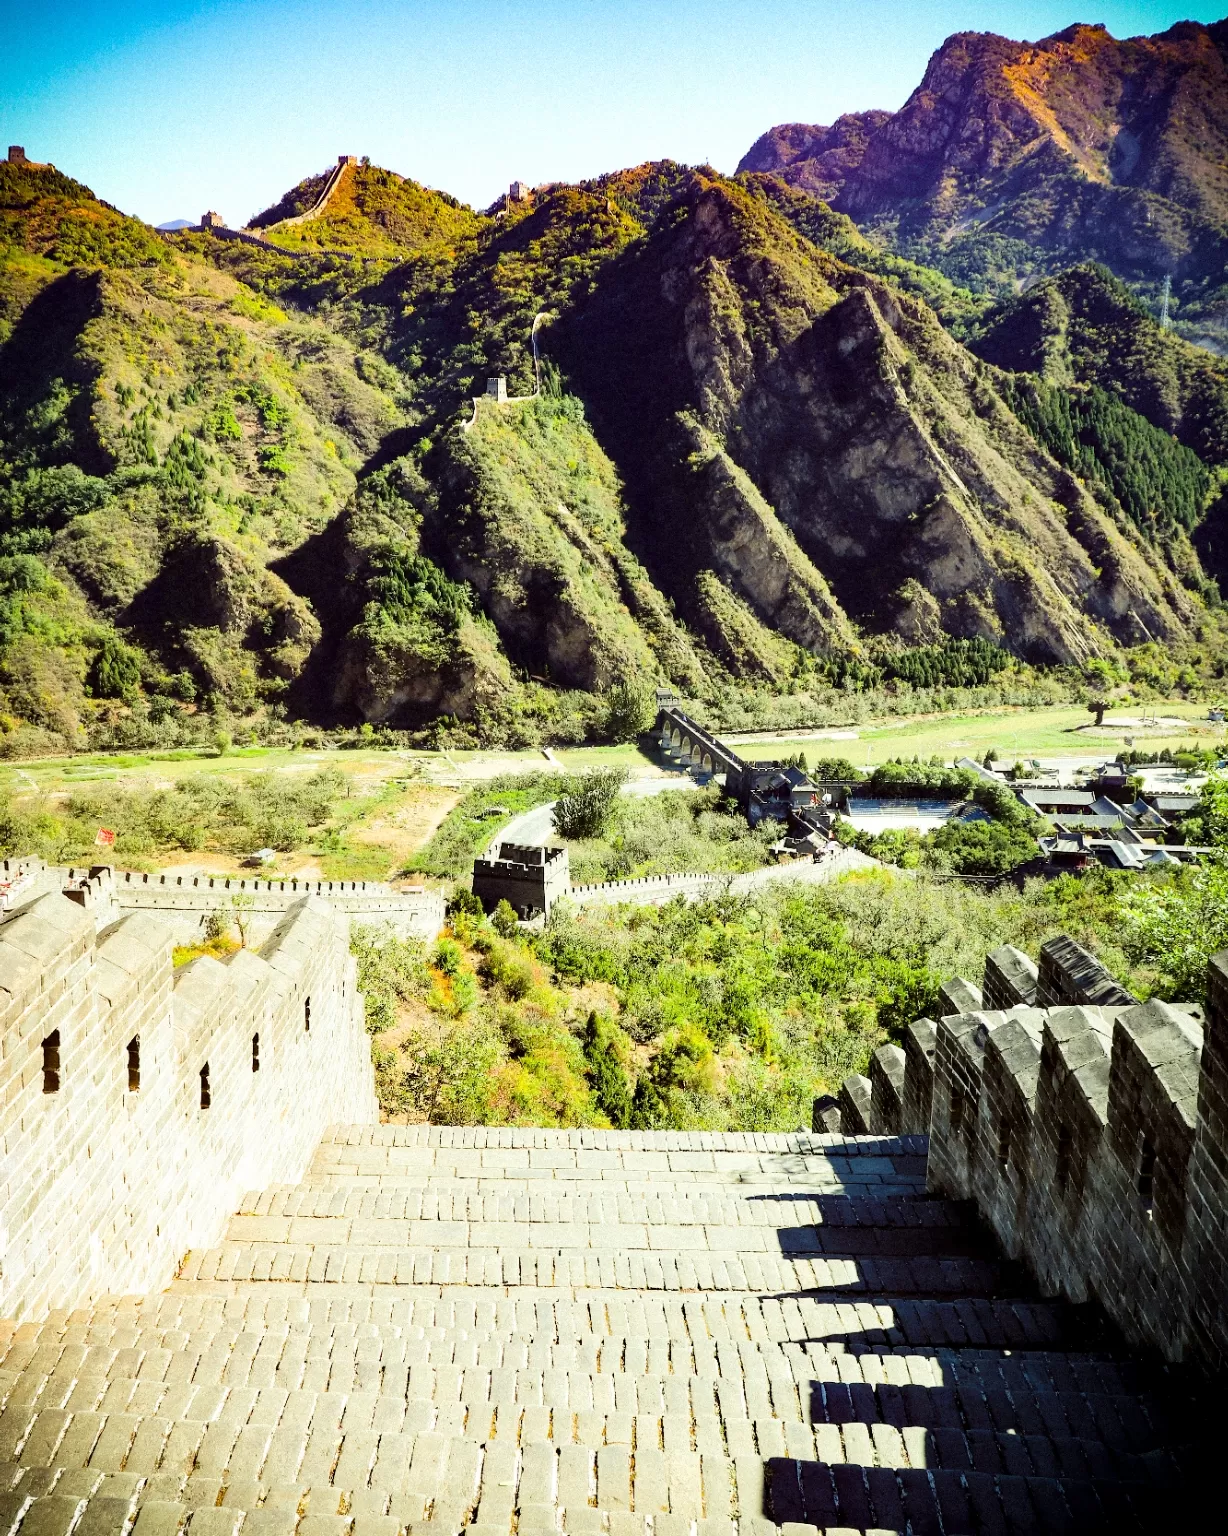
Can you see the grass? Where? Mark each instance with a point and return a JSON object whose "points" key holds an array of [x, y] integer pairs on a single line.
{"points": [[401, 811], [1050, 732]]}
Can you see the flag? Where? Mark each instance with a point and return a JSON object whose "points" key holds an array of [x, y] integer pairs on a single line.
{"points": [[105, 838]]}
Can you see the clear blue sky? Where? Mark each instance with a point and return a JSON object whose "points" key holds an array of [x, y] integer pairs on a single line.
{"points": [[169, 108]]}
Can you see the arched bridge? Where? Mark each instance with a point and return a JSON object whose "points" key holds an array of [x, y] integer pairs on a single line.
{"points": [[698, 750]]}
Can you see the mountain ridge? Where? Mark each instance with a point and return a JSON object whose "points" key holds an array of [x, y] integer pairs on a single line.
{"points": [[242, 481], [1079, 146]]}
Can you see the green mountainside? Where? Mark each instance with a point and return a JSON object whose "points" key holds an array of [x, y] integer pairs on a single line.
{"points": [[371, 212], [755, 456]]}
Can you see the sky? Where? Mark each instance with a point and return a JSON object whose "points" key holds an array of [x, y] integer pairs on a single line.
{"points": [[169, 108]]}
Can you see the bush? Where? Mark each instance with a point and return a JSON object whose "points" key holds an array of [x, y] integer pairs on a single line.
{"points": [[504, 920], [979, 848], [606, 1050], [391, 972], [586, 810]]}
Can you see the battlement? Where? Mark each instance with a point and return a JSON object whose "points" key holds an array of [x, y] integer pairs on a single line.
{"points": [[1089, 1129], [186, 902], [137, 1102]]}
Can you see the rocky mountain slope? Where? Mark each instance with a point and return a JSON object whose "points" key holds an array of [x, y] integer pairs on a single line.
{"points": [[238, 481], [1011, 158]]}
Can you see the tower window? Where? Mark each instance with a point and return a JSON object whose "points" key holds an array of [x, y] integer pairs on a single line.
{"points": [[256, 1052], [307, 1013], [205, 1096], [134, 1064], [51, 1062], [1004, 1143]]}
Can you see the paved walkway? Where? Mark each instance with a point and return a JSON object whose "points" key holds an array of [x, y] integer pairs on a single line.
{"points": [[585, 1332]]}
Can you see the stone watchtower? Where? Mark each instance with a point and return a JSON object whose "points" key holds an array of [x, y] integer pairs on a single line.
{"points": [[496, 389], [212, 220], [17, 155]]}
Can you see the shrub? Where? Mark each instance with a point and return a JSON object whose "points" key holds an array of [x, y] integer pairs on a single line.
{"points": [[606, 1051], [979, 848], [587, 809], [504, 920]]}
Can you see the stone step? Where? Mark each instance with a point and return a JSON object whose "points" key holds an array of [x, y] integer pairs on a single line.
{"points": [[393, 1357], [859, 1326], [611, 1142], [842, 1216], [720, 1268], [740, 1497], [660, 1236], [550, 1166]]}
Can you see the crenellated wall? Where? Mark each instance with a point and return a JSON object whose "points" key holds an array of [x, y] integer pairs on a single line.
{"points": [[1090, 1130], [185, 902], [107, 1179]]}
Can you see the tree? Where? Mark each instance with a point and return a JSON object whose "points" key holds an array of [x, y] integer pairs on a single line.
{"points": [[1098, 707], [1176, 926], [116, 673], [242, 904], [980, 847], [586, 810], [1207, 824], [606, 1052], [504, 920], [631, 709]]}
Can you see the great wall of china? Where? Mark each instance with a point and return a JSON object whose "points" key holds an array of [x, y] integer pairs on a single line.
{"points": [[237, 1303]]}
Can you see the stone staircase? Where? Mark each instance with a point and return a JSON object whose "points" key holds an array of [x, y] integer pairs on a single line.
{"points": [[640, 1334]]}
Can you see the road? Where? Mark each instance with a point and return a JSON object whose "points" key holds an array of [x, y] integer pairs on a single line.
{"points": [[535, 828]]}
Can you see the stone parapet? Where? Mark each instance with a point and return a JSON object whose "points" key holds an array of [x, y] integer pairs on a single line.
{"points": [[137, 1103], [886, 1091], [1090, 1132], [1010, 978], [186, 901]]}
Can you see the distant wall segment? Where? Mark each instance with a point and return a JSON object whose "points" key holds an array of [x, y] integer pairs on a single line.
{"points": [[138, 1104]]}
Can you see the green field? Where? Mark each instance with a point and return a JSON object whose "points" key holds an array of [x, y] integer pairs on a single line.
{"points": [[397, 799], [1064, 731]]}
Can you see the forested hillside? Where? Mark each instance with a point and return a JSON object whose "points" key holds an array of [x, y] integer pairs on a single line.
{"points": [[756, 457]]}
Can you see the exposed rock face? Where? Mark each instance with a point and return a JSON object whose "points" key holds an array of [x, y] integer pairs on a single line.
{"points": [[842, 452], [1079, 143]]}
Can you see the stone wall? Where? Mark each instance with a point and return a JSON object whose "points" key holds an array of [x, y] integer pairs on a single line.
{"points": [[1090, 1131], [186, 901], [115, 1162]]}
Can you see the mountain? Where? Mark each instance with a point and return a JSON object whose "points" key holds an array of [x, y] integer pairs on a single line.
{"points": [[1012, 158], [172, 225], [360, 208], [238, 480], [1150, 421]]}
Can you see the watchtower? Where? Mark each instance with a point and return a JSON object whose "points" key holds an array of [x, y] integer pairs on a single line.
{"points": [[212, 220], [17, 155], [496, 389]]}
